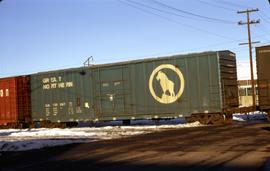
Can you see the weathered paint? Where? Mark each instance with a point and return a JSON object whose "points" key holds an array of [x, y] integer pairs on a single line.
{"points": [[263, 73], [62, 96], [14, 99], [166, 86], [228, 77], [171, 86]]}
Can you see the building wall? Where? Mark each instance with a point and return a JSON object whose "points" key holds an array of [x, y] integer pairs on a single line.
{"points": [[245, 93]]}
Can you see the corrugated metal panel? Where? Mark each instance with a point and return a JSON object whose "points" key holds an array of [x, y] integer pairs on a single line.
{"points": [[63, 95], [228, 73], [8, 100], [165, 87], [14, 99], [23, 98], [171, 86], [263, 72]]}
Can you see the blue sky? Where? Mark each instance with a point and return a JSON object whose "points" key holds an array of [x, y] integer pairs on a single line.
{"points": [[52, 34]]}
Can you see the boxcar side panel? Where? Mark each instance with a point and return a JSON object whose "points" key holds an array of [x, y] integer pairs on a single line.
{"points": [[111, 91], [199, 73], [62, 96], [163, 87], [8, 100], [263, 72]]}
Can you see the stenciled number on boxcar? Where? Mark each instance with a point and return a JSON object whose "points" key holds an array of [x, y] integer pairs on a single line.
{"points": [[55, 82], [168, 86]]}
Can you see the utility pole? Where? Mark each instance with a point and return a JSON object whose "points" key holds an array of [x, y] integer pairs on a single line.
{"points": [[248, 11]]}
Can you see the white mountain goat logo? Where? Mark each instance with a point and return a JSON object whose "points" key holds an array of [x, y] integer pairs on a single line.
{"points": [[168, 86], [165, 83]]}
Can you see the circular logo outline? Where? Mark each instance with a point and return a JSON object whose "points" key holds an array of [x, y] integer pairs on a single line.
{"points": [[180, 76]]}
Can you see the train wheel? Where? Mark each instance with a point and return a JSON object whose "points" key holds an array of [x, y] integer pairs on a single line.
{"points": [[45, 124], [217, 119], [62, 125], [20, 126], [190, 119], [126, 122], [204, 119], [71, 124], [31, 125], [228, 118]]}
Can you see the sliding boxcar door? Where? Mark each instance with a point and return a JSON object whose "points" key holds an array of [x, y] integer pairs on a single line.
{"points": [[111, 91]]}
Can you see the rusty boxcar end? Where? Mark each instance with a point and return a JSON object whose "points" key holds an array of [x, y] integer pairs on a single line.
{"points": [[15, 104]]}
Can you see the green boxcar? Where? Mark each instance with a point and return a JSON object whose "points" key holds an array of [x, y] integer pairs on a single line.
{"points": [[62, 96], [164, 87]]}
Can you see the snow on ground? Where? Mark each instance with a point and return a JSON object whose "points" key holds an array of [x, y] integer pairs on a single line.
{"points": [[27, 139], [250, 116]]}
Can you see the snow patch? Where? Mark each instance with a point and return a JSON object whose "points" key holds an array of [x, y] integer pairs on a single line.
{"points": [[28, 139], [250, 116]]}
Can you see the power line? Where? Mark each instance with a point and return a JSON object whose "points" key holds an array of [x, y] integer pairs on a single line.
{"points": [[262, 36], [174, 21], [215, 5], [264, 22], [193, 14], [265, 30], [160, 10], [263, 16], [168, 19], [233, 4], [172, 13], [265, 19], [266, 16], [265, 43]]}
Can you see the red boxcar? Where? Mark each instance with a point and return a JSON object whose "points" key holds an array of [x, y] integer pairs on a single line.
{"points": [[14, 100]]}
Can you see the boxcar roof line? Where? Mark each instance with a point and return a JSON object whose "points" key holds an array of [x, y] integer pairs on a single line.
{"points": [[128, 62], [136, 61]]}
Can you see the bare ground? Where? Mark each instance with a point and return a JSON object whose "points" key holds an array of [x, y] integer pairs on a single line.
{"points": [[241, 146]]}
